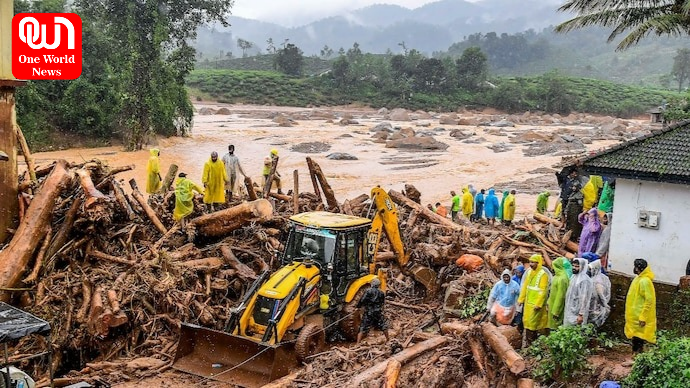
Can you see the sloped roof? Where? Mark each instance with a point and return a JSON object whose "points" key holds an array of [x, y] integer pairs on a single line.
{"points": [[662, 156]]}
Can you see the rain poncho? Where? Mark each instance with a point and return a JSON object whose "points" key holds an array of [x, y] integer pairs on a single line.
{"points": [[559, 210], [491, 204], [533, 294], [599, 308], [456, 203], [509, 208], [568, 269], [605, 237], [478, 205], [153, 171], [578, 297], [590, 191], [467, 202], [232, 164], [502, 299], [591, 230], [559, 287], [519, 272], [214, 179], [640, 306], [183, 198], [606, 201], [543, 202], [503, 204]]}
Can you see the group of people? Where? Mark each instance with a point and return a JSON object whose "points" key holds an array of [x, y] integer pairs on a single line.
{"points": [[576, 293], [219, 179], [474, 206]]}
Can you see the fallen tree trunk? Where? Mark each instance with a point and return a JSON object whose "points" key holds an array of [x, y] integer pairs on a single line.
{"points": [[249, 185], [62, 234], [30, 165], [314, 180], [331, 202], [455, 328], [243, 270], [208, 264], [500, 345], [15, 258], [400, 199], [147, 209], [39, 258], [121, 199], [169, 178], [295, 192], [547, 220], [403, 357], [392, 373], [222, 222]]}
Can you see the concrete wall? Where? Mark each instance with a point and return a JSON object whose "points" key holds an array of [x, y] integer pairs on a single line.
{"points": [[667, 249]]}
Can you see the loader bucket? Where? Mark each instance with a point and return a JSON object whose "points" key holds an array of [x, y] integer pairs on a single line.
{"points": [[426, 276], [230, 358]]}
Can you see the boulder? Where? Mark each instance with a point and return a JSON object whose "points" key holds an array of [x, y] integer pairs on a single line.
{"points": [[383, 111], [586, 140], [500, 147], [417, 143], [348, 122], [223, 111], [205, 111], [447, 120], [283, 121], [421, 115], [399, 114], [384, 126], [460, 134], [380, 137], [614, 127], [407, 132], [502, 123], [468, 121], [341, 156]]}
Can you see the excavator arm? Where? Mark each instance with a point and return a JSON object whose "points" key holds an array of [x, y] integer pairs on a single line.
{"points": [[386, 221]]}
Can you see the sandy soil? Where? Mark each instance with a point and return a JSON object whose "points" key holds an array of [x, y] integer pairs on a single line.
{"points": [[254, 134]]}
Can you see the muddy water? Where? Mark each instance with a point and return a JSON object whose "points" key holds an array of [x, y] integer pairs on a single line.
{"points": [[254, 136]]}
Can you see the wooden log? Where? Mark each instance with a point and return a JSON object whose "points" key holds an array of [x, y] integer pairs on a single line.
{"points": [[169, 178], [250, 188], [24, 146], [208, 264], [500, 345], [392, 373], [39, 258], [407, 306], [295, 192], [455, 328], [121, 199], [545, 241], [271, 174], [403, 357], [86, 301], [223, 222], [331, 201], [15, 257], [147, 209], [114, 301], [572, 246], [525, 383], [400, 199], [104, 256], [478, 353], [512, 334], [547, 220], [282, 197], [314, 179], [347, 208], [95, 312], [243, 271], [93, 196], [118, 317]]}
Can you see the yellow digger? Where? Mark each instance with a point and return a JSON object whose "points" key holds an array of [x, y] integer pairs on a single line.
{"points": [[282, 319]]}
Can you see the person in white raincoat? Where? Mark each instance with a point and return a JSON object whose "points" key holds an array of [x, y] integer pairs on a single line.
{"points": [[579, 294], [599, 308]]}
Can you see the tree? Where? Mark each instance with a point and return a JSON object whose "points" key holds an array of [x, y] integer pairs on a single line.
{"points": [[681, 67], [244, 45], [472, 68], [290, 60], [341, 72], [636, 18], [430, 76], [270, 48], [326, 52]]}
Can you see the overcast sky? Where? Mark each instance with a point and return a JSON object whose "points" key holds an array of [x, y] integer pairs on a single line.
{"points": [[297, 12]]}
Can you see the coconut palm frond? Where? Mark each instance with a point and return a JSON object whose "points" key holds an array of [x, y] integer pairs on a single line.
{"points": [[665, 25], [603, 18]]}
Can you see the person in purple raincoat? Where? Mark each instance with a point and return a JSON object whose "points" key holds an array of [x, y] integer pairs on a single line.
{"points": [[591, 230]]}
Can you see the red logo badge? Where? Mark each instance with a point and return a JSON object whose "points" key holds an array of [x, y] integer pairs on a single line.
{"points": [[46, 46]]}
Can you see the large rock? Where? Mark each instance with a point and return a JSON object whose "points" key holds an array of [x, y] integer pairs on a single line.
{"points": [[421, 115], [407, 132], [283, 121], [399, 114], [380, 137], [384, 126], [223, 111], [502, 124], [448, 120], [461, 134], [383, 111], [417, 143], [341, 156], [468, 121], [613, 128], [207, 111]]}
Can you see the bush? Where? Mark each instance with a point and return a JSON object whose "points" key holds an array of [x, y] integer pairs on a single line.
{"points": [[474, 304], [666, 365]]}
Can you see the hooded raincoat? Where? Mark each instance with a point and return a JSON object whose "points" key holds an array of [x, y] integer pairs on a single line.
{"points": [[503, 204], [590, 191], [591, 230], [640, 306], [578, 297], [519, 272], [467, 202], [559, 287], [599, 308], [153, 171], [502, 300], [214, 179], [491, 204], [184, 196], [509, 208], [543, 202], [479, 201], [568, 268], [605, 237], [533, 294], [606, 201]]}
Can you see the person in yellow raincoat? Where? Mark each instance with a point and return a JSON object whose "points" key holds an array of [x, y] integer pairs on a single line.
{"points": [[184, 195], [467, 202], [153, 171], [640, 307], [214, 179], [590, 191], [509, 208], [268, 163], [532, 297]]}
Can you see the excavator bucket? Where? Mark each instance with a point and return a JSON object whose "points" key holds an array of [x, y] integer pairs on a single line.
{"points": [[426, 277], [232, 359]]}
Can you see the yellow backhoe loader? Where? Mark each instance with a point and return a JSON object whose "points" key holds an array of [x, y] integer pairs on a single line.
{"points": [[282, 319]]}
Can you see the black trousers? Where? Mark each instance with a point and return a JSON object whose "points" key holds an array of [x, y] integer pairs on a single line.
{"points": [[637, 344]]}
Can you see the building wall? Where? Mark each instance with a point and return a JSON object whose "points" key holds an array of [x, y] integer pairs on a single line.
{"points": [[667, 249]]}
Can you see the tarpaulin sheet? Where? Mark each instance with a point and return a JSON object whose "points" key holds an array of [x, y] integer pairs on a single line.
{"points": [[15, 323]]}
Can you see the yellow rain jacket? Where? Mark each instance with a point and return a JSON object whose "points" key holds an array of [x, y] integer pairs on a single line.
{"points": [[533, 294], [640, 305], [184, 195], [153, 170], [214, 179], [467, 202], [590, 191], [509, 208]]}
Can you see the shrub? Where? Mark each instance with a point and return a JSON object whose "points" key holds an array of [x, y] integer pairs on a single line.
{"points": [[666, 365]]}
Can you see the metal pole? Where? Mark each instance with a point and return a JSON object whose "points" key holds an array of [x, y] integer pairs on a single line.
{"points": [[7, 367]]}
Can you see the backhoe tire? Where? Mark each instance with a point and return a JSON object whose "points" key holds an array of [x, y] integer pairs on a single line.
{"points": [[353, 316], [310, 341]]}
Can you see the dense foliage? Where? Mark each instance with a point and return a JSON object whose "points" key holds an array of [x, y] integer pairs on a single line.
{"points": [[665, 365]]}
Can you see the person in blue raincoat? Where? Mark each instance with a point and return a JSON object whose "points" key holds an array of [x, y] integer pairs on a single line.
{"points": [[502, 303], [491, 207]]}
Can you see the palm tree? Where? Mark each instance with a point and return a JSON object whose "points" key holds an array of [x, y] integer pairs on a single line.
{"points": [[636, 18]]}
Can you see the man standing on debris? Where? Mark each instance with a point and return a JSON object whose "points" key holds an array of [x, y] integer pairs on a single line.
{"points": [[232, 165], [579, 295], [640, 307], [573, 208], [543, 202], [509, 209], [372, 301], [559, 287], [214, 179], [533, 298], [441, 210], [502, 303], [184, 198], [455, 206], [479, 205], [467, 202], [153, 171], [599, 308], [491, 206], [268, 163]]}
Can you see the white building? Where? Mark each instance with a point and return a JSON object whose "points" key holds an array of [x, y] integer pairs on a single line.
{"points": [[651, 211]]}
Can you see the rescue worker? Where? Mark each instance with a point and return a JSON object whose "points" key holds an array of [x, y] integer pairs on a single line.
{"points": [[599, 308], [573, 208], [309, 248], [640, 307], [502, 205], [517, 273], [455, 206], [441, 210], [232, 165], [607, 194], [372, 301], [591, 230], [491, 206], [214, 179], [502, 303], [268, 162], [590, 192], [184, 196], [479, 205], [559, 287], [533, 298], [543, 202], [509, 208], [579, 295], [153, 171], [467, 202], [604, 241]]}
